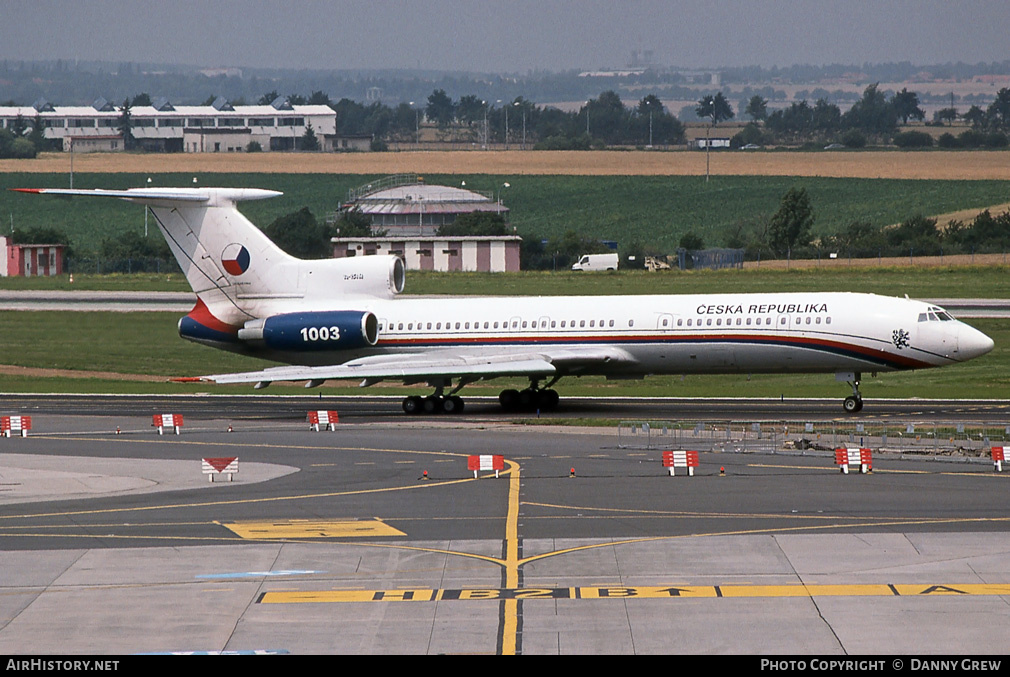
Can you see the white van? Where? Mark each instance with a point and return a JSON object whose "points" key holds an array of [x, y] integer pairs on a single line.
{"points": [[597, 262]]}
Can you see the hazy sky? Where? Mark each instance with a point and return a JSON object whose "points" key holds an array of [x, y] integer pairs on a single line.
{"points": [[507, 35]]}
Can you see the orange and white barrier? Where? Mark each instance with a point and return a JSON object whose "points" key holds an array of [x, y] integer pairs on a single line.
{"points": [[327, 419], [220, 466], [997, 458], [162, 421], [485, 462], [680, 459], [15, 425], [863, 458]]}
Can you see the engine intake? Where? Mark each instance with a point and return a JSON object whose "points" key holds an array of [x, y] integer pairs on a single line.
{"points": [[301, 332]]}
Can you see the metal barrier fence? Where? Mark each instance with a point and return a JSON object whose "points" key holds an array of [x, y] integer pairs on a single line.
{"points": [[902, 437]]}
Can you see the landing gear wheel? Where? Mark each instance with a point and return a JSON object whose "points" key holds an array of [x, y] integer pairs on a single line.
{"points": [[853, 404], [547, 400], [432, 404], [509, 399], [452, 405], [412, 405]]}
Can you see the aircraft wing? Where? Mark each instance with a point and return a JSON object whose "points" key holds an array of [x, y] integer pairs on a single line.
{"points": [[416, 367]]}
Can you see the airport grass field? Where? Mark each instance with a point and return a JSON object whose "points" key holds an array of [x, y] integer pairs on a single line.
{"points": [[654, 211]]}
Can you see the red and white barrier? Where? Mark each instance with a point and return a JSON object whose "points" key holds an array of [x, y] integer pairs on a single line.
{"points": [[997, 458], [15, 425], [327, 419], [862, 458], [162, 421], [220, 466], [680, 459], [485, 462]]}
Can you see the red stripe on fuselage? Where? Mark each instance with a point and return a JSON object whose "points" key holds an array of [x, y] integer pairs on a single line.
{"points": [[532, 341]]}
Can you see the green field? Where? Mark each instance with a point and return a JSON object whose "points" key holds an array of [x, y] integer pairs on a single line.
{"points": [[917, 282], [654, 211]]}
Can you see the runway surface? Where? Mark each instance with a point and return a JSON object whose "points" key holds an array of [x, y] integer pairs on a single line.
{"points": [[376, 538]]}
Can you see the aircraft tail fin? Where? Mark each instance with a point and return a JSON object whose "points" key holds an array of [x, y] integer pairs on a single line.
{"points": [[214, 244]]}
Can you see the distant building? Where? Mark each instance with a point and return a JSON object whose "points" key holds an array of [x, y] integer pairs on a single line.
{"points": [[403, 205], [219, 127], [30, 260], [712, 143], [488, 254]]}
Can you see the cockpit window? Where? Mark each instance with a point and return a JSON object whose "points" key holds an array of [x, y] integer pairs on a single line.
{"points": [[935, 314]]}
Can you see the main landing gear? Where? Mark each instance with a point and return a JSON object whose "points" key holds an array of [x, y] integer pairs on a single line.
{"points": [[854, 402], [437, 402], [433, 404], [530, 399]]}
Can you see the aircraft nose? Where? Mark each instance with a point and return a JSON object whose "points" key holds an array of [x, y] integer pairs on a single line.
{"points": [[972, 343]]}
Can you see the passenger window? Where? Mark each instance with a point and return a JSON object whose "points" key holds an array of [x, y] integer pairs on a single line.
{"points": [[611, 323], [554, 324], [689, 321], [582, 323], [438, 325], [592, 323], [827, 320], [680, 323]]}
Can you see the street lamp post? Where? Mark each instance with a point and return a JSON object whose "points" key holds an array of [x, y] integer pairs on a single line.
{"points": [[484, 103], [503, 186], [417, 127]]}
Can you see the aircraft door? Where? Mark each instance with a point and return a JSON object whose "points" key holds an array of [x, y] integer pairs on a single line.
{"points": [[665, 322]]}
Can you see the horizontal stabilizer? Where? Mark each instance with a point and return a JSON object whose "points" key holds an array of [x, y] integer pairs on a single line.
{"points": [[164, 196]]}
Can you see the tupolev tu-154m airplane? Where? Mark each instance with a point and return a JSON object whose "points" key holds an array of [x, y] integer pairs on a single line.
{"points": [[342, 319]]}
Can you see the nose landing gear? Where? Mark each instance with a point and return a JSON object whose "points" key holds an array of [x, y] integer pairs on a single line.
{"points": [[854, 402]]}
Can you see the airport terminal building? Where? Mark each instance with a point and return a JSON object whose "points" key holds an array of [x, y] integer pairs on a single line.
{"points": [[217, 128]]}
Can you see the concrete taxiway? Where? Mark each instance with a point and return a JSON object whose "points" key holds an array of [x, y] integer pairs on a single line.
{"points": [[376, 538]]}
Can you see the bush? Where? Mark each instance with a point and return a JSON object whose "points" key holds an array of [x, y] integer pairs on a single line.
{"points": [[913, 140], [854, 139], [254, 147], [564, 143], [996, 140], [750, 134], [948, 140], [971, 139]]}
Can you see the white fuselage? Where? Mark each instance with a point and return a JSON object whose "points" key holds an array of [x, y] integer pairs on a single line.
{"points": [[757, 333]]}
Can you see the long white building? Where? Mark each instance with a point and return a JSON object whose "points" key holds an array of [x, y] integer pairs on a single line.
{"points": [[220, 127]]}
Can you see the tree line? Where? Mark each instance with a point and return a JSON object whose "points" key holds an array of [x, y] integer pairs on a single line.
{"points": [[873, 118]]}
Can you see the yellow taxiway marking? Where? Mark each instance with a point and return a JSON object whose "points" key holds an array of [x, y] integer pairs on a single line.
{"points": [[631, 592], [311, 529]]}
